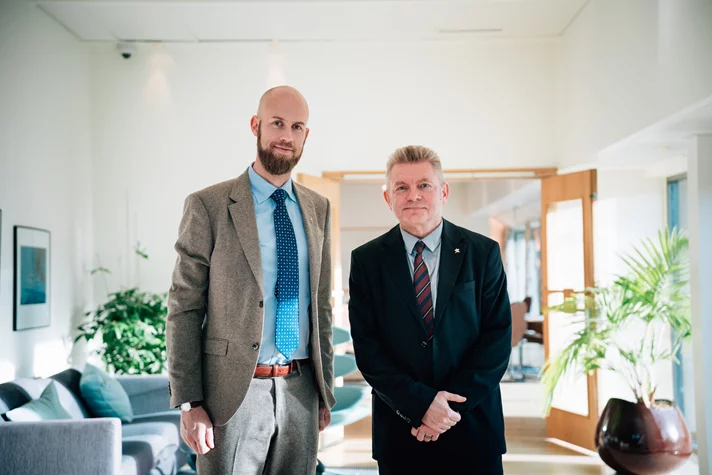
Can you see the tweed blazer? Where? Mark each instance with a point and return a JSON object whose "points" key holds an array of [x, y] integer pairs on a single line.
{"points": [[216, 300]]}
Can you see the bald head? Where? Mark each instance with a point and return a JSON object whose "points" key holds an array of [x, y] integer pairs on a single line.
{"points": [[283, 97], [280, 126]]}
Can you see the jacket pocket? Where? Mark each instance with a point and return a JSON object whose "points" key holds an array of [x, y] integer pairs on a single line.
{"points": [[215, 346], [464, 286]]}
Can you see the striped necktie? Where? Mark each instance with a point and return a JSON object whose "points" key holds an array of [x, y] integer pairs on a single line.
{"points": [[421, 282]]}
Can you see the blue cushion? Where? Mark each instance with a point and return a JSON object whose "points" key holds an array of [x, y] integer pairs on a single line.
{"points": [[46, 408], [104, 395]]}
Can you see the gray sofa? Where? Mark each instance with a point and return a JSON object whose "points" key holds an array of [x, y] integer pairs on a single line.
{"points": [[85, 445]]}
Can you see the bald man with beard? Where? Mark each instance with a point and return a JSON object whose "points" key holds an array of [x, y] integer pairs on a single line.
{"points": [[250, 359]]}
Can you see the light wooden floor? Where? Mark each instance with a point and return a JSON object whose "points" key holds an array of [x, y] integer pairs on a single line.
{"points": [[525, 456], [529, 452]]}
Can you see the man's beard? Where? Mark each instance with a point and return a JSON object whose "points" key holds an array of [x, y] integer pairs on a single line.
{"points": [[273, 163]]}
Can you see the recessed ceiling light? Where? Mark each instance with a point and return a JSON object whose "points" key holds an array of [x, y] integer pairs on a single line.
{"points": [[470, 31]]}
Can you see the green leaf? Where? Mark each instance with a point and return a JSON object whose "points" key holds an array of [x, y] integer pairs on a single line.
{"points": [[653, 291], [99, 270], [131, 324]]}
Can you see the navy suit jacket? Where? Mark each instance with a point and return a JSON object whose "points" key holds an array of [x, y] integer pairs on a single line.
{"points": [[468, 354]]}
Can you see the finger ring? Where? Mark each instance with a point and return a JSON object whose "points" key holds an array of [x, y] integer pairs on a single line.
{"points": [[428, 436]]}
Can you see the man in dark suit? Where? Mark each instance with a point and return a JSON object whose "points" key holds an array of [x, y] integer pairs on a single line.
{"points": [[431, 326]]}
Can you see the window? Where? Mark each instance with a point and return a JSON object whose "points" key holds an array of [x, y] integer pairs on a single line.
{"points": [[523, 265], [683, 376]]}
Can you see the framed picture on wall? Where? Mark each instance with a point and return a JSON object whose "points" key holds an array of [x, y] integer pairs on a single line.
{"points": [[32, 278], [0, 247]]}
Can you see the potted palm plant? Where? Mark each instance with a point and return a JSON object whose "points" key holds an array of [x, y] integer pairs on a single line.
{"points": [[625, 328]]}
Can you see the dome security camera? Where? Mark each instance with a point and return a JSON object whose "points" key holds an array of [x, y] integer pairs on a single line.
{"points": [[126, 50]]}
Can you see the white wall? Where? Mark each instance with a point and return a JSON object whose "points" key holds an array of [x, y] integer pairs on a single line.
{"points": [[45, 178], [625, 65], [630, 206], [700, 209], [173, 120], [365, 215]]}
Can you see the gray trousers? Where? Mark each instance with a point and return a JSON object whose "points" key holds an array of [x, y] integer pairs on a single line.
{"points": [[274, 432]]}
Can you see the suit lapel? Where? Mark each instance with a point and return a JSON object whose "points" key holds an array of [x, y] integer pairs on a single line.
{"points": [[452, 253], [243, 216], [315, 239], [396, 260]]}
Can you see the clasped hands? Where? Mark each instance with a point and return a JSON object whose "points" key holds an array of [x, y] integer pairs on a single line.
{"points": [[439, 418]]}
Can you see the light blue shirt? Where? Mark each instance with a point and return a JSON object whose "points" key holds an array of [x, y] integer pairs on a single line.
{"points": [[264, 210], [431, 255]]}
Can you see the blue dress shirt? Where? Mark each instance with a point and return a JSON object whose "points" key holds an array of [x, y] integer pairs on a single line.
{"points": [[264, 210], [431, 255]]}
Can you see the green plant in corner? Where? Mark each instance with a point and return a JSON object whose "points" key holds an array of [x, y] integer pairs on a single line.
{"points": [[132, 327], [623, 327]]}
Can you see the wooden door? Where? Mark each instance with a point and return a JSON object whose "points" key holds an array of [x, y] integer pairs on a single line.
{"points": [[567, 266]]}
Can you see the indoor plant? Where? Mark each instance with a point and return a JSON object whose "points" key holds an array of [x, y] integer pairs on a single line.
{"points": [[132, 326], [624, 328]]}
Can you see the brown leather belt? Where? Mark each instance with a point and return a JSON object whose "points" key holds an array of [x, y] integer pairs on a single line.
{"points": [[279, 370]]}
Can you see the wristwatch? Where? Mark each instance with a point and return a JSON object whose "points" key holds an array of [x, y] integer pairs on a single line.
{"points": [[187, 406]]}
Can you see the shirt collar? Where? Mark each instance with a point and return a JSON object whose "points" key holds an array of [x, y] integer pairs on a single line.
{"points": [[262, 189], [431, 241]]}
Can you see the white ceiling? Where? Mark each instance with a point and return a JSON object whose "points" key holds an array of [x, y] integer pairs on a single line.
{"points": [[324, 20], [663, 143], [519, 205]]}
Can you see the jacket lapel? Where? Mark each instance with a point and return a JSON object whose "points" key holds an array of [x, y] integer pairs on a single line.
{"points": [[394, 255], [315, 239], [452, 252], [243, 216]]}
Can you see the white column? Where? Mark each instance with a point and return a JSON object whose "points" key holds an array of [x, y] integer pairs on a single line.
{"points": [[699, 178]]}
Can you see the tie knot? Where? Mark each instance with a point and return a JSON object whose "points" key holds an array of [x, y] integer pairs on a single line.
{"points": [[419, 247], [279, 196]]}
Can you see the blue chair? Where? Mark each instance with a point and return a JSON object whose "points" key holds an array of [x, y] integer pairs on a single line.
{"points": [[349, 407], [344, 365], [339, 335]]}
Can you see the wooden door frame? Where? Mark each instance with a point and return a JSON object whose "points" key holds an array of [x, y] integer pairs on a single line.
{"points": [[565, 187], [371, 176], [308, 180]]}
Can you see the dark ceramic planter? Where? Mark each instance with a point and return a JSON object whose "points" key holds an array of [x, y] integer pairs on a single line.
{"points": [[635, 440]]}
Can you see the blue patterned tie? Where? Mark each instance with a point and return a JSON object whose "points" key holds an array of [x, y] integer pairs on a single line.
{"points": [[287, 291]]}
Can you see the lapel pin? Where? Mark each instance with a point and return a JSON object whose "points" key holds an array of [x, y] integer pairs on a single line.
{"points": [[457, 250]]}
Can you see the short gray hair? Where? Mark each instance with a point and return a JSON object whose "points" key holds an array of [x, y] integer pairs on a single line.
{"points": [[415, 154]]}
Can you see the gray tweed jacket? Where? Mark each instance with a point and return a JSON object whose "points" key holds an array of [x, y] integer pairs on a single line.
{"points": [[214, 324]]}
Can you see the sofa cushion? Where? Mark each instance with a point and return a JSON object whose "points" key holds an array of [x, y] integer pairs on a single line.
{"points": [[46, 408], [129, 464], [165, 430], [104, 395], [69, 378], [146, 452], [150, 450], [171, 416], [69, 401], [12, 396]]}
